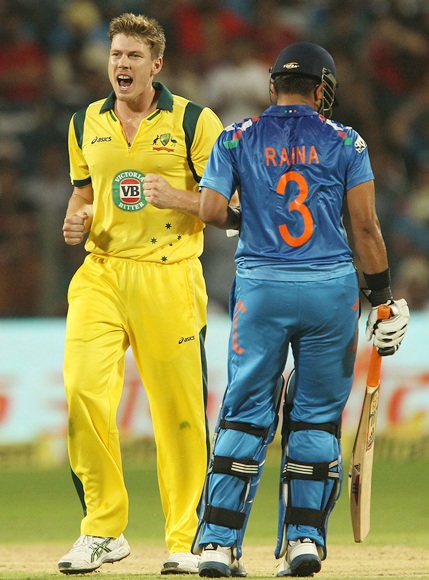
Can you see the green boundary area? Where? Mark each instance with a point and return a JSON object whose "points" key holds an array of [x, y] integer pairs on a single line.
{"points": [[38, 506], [138, 451]]}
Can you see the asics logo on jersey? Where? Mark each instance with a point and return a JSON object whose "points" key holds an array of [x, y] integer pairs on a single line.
{"points": [[186, 339], [101, 139]]}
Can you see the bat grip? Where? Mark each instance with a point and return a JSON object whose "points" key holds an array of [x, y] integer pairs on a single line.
{"points": [[374, 370], [384, 312]]}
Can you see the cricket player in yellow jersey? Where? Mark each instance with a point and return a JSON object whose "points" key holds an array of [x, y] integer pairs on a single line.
{"points": [[136, 159]]}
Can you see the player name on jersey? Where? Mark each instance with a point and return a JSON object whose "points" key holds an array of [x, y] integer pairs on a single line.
{"points": [[299, 154]]}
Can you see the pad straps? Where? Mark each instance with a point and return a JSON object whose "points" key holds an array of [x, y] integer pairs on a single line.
{"points": [[332, 428], [310, 471], [243, 468], [317, 471]]}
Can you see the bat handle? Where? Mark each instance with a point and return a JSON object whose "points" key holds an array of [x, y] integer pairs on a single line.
{"points": [[373, 378], [384, 312]]}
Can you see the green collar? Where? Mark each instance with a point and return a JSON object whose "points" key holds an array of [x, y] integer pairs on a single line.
{"points": [[165, 100]]}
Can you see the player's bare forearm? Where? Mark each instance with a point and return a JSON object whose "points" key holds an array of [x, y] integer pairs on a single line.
{"points": [[371, 251], [159, 193], [81, 200], [216, 211], [230, 220], [77, 204], [182, 200], [368, 239]]}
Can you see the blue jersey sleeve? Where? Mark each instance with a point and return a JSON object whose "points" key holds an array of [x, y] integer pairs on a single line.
{"points": [[359, 166], [219, 173]]}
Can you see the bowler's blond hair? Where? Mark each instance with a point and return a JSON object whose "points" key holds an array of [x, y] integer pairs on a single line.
{"points": [[142, 27]]}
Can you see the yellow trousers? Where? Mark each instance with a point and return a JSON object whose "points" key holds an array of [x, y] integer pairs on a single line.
{"points": [[160, 312]]}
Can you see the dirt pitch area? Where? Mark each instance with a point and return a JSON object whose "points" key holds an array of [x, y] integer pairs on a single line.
{"points": [[354, 561]]}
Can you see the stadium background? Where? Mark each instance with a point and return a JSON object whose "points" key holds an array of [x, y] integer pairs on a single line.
{"points": [[53, 56]]}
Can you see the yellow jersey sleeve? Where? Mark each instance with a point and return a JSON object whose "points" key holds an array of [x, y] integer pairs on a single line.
{"points": [[79, 170], [208, 129]]}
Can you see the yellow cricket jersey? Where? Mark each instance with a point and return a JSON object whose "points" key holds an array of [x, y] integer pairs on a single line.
{"points": [[175, 142]]}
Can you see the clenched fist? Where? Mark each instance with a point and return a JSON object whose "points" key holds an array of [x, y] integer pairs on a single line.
{"points": [[74, 228]]}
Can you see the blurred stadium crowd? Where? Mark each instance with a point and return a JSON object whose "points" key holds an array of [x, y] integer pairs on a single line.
{"points": [[53, 61]]}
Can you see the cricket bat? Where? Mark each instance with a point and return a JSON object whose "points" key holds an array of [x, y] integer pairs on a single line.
{"points": [[362, 458]]}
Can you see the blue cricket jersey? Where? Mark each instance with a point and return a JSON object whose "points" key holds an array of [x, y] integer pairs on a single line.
{"points": [[292, 168]]}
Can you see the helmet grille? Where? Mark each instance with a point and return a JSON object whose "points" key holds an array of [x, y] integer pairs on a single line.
{"points": [[329, 85]]}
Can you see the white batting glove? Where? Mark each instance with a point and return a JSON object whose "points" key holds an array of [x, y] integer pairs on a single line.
{"points": [[388, 334]]}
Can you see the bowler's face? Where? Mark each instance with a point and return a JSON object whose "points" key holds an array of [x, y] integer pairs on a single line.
{"points": [[131, 68]]}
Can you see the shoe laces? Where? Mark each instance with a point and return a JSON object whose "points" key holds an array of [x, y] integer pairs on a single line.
{"points": [[85, 541], [301, 541]]}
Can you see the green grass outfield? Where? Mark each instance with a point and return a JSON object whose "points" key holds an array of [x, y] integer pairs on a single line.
{"points": [[40, 506]]}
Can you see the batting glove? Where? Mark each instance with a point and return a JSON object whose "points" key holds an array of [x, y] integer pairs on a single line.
{"points": [[236, 231], [389, 333]]}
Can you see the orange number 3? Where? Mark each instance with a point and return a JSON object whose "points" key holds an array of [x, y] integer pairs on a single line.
{"points": [[296, 205]]}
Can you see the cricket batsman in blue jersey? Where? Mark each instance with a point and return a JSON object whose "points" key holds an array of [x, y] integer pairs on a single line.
{"points": [[296, 289]]}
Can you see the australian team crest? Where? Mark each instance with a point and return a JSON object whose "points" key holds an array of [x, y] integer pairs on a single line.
{"points": [[127, 190], [161, 141]]}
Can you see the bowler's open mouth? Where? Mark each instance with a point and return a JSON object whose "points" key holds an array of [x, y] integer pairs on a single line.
{"points": [[124, 80]]}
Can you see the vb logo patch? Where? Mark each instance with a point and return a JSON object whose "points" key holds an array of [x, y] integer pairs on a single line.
{"points": [[127, 191]]}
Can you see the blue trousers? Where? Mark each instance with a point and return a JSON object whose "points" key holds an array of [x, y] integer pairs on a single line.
{"points": [[318, 321]]}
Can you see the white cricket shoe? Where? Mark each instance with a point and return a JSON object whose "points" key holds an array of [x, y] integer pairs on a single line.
{"points": [[220, 562], [90, 552], [303, 558], [181, 563]]}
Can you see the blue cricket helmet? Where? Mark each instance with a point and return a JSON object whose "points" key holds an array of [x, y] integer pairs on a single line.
{"points": [[310, 60]]}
